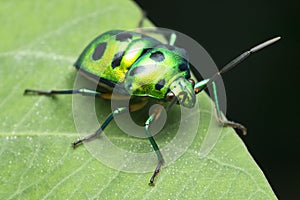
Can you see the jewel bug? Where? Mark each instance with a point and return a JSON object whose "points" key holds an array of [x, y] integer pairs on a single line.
{"points": [[142, 67]]}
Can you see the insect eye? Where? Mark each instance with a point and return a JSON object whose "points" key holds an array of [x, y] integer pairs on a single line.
{"points": [[192, 82]]}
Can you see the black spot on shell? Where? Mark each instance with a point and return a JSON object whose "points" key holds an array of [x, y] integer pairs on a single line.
{"points": [[183, 67], [137, 70], [117, 59], [188, 75], [160, 84], [145, 51], [99, 51], [124, 36], [157, 56]]}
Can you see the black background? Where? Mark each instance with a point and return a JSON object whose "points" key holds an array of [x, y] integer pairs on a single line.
{"points": [[262, 93]]}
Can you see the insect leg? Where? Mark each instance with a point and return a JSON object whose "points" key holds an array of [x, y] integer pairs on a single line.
{"points": [[170, 35], [103, 126], [83, 91], [141, 22], [220, 117], [160, 158], [172, 38]]}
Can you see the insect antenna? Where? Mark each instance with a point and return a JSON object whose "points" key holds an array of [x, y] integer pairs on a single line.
{"points": [[246, 54], [238, 60], [243, 56]]}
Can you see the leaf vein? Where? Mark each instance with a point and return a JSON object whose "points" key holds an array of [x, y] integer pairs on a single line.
{"points": [[67, 177]]}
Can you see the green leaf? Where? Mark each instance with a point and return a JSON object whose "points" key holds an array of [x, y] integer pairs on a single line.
{"points": [[39, 44]]}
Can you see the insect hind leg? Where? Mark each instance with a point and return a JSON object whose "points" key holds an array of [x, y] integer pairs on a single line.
{"points": [[83, 91], [141, 22], [168, 34]]}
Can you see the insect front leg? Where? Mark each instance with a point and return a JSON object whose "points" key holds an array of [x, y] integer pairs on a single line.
{"points": [[220, 117], [200, 86], [102, 127], [160, 158]]}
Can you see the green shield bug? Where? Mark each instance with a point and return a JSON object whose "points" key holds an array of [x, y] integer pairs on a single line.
{"points": [[142, 67]]}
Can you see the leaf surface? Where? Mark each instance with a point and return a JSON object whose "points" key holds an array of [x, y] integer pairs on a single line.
{"points": [[39, 44]]}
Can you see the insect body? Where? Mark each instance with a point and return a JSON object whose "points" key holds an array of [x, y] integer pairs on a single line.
{"points": [[140, 66]]}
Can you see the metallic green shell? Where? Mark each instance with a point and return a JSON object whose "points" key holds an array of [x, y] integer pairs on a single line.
{"points": [[110, 55], [140, 65], [152, 74]]}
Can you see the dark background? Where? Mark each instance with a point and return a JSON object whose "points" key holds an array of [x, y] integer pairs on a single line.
{"points": [[262, 93]]}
